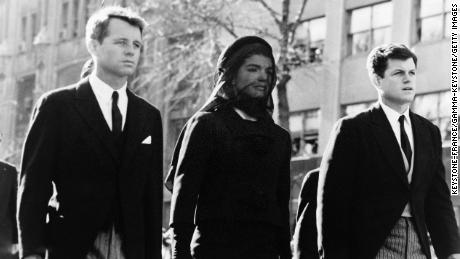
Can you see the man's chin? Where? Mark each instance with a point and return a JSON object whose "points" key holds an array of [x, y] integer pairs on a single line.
{"points": [[409, 99], [127, 72]]}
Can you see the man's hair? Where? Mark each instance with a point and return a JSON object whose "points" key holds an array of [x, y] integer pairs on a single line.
{"points": [[98, 23], [377, 61]]}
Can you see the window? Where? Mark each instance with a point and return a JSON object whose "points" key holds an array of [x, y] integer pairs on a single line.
{"points": [[435, 107], [75, 18], [64, 21], [23, 44], [433, 20], [370, 26], [304, 127], [35, 25], [309, 43], [3, 18], [25, 95], [44, 16], [87, 9], [24, 28]]}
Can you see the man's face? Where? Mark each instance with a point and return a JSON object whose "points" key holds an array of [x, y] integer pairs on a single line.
{"points": [[254, 76], [397, 87], [118, 54]]}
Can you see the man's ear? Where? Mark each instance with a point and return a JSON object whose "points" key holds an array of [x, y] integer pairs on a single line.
{"points": [[92, 46], [376, 80]]}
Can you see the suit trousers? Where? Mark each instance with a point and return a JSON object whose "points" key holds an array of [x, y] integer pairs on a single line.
{"points": [[242, 240], [402, 243], [106, 246]]}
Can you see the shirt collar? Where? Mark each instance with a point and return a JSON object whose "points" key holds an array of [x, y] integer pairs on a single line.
{"points": [[393, 115], [103, 90]]}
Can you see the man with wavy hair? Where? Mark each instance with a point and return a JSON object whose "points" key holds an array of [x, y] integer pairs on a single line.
{"points": [[100, 145], [381, 186]]}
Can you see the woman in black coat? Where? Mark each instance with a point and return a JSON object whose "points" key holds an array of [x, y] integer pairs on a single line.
{"points": [[231, 168]]}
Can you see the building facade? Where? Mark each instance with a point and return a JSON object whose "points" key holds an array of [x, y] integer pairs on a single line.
{"points": [[42, 47], [337, 38], [339, 35]]}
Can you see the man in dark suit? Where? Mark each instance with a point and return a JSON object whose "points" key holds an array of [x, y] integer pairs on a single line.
{"points": [[100, 146], [305, 234], [8, 230], [381, 187]]}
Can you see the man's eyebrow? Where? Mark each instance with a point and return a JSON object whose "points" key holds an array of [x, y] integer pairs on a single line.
{"points": [[126, 39]]}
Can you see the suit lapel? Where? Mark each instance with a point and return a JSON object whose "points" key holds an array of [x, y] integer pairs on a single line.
{"points": [[135, 120], [422, 147], [90, 111], [388, 143]]}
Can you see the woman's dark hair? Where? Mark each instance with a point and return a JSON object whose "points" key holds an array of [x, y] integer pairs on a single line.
{"points": [[234, 56]]}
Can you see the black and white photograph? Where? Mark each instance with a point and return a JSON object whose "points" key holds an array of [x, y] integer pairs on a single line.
{"points": [[229, 129]]}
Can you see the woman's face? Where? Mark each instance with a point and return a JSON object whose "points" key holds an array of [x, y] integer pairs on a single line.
{"points": [[254, 77]]}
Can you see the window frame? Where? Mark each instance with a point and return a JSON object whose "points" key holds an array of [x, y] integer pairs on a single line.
{"points": [[64, 27], [443, 15], [439, 117], [370, 31], [306, 136], [300, 47]]}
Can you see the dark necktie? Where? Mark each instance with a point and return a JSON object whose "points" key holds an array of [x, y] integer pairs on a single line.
{"points": [[405, 144], [116, 115]]}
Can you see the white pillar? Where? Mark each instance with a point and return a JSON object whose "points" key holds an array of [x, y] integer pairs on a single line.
{"points": [[8, 106], [404, 19], [334, 51]]}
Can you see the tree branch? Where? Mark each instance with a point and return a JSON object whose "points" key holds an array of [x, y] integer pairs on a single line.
{"points": [[228, 27], [303, 21], [297, 21], [300, 13], [260, 31], [272, 12], [224, 25]]}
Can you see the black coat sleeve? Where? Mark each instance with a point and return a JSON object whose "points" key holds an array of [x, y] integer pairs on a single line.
{"points": [[12, 203], [307, 194], [154, 196], [169, 182], [440, 218], [305, 234], [37, 168], [284, 187], [335, 186], [194, 155]]}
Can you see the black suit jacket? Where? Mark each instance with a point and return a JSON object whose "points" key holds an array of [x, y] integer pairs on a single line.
{"points": [[363, 188], [305, 233], [70, 144], [8, 190]]}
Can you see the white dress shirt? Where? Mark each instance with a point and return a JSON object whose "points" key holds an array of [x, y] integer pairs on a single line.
{"points": [[103, 93], [393, 117]]}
